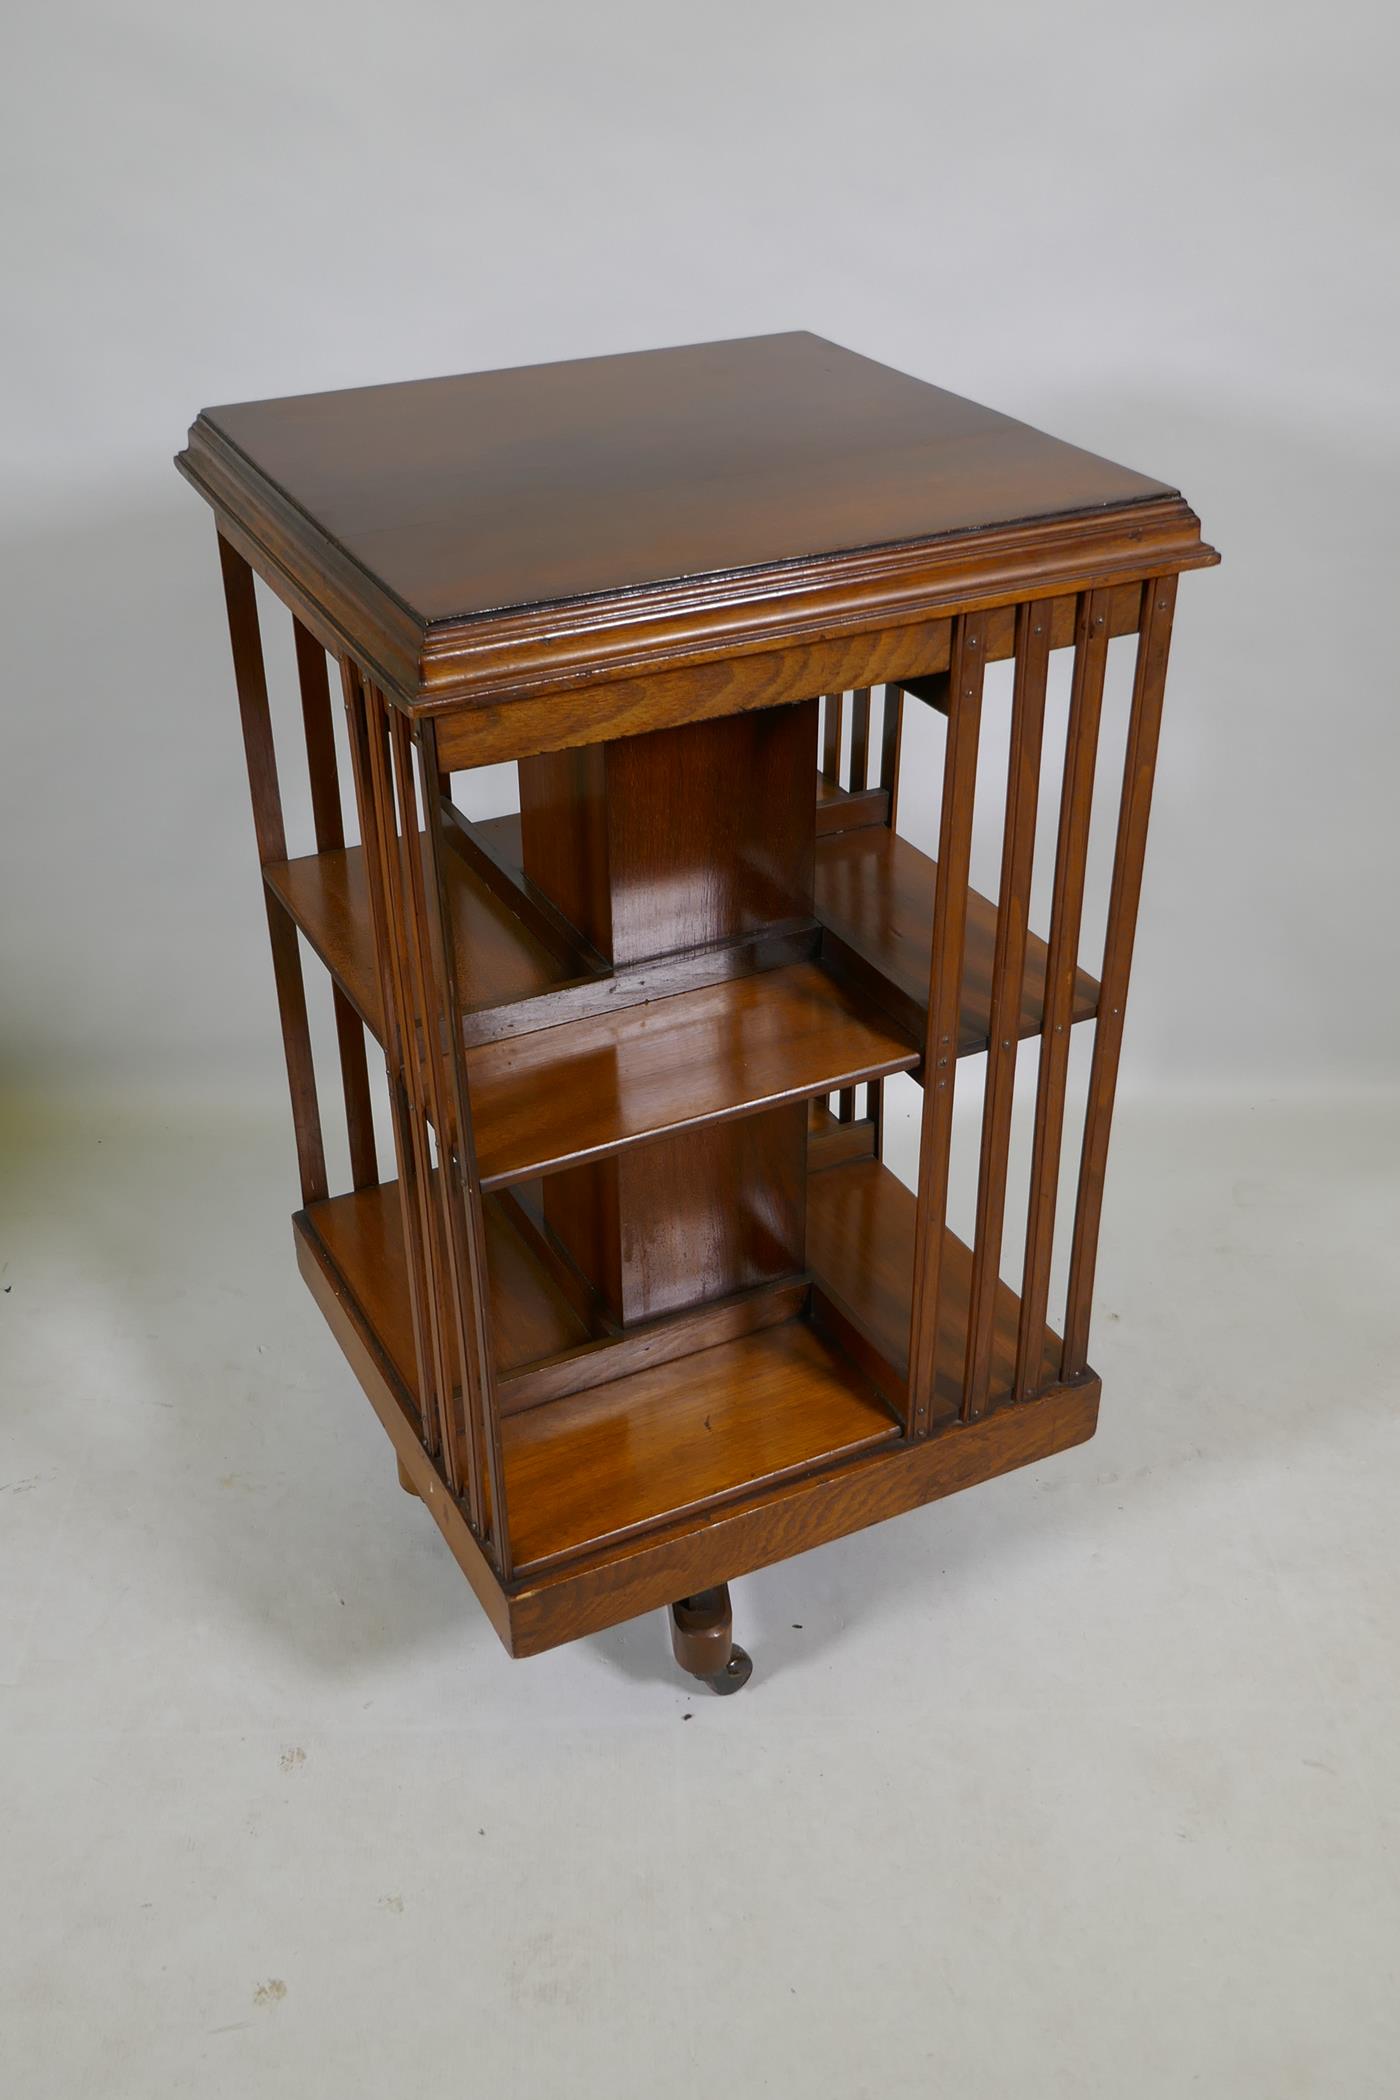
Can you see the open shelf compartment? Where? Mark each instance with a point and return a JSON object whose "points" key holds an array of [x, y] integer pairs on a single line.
{"points": [[721, 1422], [562, 1095], [635, 1452], [860, 1251], [874, 898]]}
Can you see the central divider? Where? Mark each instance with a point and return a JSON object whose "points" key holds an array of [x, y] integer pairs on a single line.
{"points": [[649, 845]]}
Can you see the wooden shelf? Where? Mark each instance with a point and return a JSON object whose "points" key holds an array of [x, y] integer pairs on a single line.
{"points": [[860, 1250], [531, 1316], [562, 1095], [637, 1451], [499, 959], [874, 896], [722, 1423], [843, 809]]}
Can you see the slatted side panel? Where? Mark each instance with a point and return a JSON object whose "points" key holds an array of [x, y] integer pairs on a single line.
{"points": [[442, 1228], [313, 683], [1159, 602], [944, 1007], [250, 677], [1008, 966], [848, 767], [938, 1390]]}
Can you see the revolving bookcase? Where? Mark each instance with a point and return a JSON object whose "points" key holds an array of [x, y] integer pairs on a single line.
{"points": [[640, 1303]]}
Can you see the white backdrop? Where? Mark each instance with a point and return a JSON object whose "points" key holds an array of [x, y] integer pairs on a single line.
{"points": [[1169, 236]]}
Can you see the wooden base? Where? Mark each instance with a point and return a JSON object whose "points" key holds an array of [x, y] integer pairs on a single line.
{"points": [[590, 1480], [702, 1639]]}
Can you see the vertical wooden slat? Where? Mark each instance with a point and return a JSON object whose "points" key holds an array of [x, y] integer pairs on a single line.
{"points": [[1139, 765], [860, 740], [397, 1042], [330, 837], [250, 679], [414, 1050], [891, 738], [1008, 965], [1076, 802], [833, 722], [891, 741], [833, 730], [944, 1008], [420, 991], [464, 1273], [459, 1160]]}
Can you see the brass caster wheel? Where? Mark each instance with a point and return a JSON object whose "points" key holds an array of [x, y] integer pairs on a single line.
{"points": [[405, 1478], [735, 1674]]}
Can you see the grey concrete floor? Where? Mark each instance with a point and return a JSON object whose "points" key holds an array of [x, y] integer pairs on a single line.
{"points": [[1083, 1783]]}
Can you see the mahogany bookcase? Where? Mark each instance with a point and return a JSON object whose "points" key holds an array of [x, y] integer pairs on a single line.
{"points": [[639, 1303]]}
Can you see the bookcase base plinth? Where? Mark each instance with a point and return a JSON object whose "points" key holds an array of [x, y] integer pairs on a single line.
{"points": [[870, 1472]]}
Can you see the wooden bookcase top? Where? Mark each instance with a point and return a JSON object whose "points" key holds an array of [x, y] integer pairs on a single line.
{"points": [[467, 533]]}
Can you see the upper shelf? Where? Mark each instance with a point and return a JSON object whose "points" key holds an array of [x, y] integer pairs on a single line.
{"points": [[874, 895], [498, 958], [562, 1095]]}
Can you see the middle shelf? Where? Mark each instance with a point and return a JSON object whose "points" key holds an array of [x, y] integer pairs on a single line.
{"points": [[615, 1067], [566, 1094]]}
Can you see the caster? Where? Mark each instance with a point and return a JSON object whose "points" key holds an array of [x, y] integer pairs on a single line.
{"points": [[702, 1639], [405, 1478], [735, 1674]]}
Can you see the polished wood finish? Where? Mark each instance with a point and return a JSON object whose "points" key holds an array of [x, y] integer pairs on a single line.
{"points": [[874, 900], [251, 681], [833, 497], [500, 959], [673, 1439], [650, 1569], [563, 1095], [1144, 728], [1076, 801], [944, 1009], [1007, 1001], [702, 1640], [642, 1308], [861, 1253], [500, 490], [599, 835]]}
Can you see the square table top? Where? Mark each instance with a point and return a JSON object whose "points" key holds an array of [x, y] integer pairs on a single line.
{"points": [[467, 496]]}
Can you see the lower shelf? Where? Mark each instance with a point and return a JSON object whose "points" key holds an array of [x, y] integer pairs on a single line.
{"points": [[676, 1437], [860, 1250], [690, 1473], [640, 1450], [668, 1442], [363, 1236]]}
